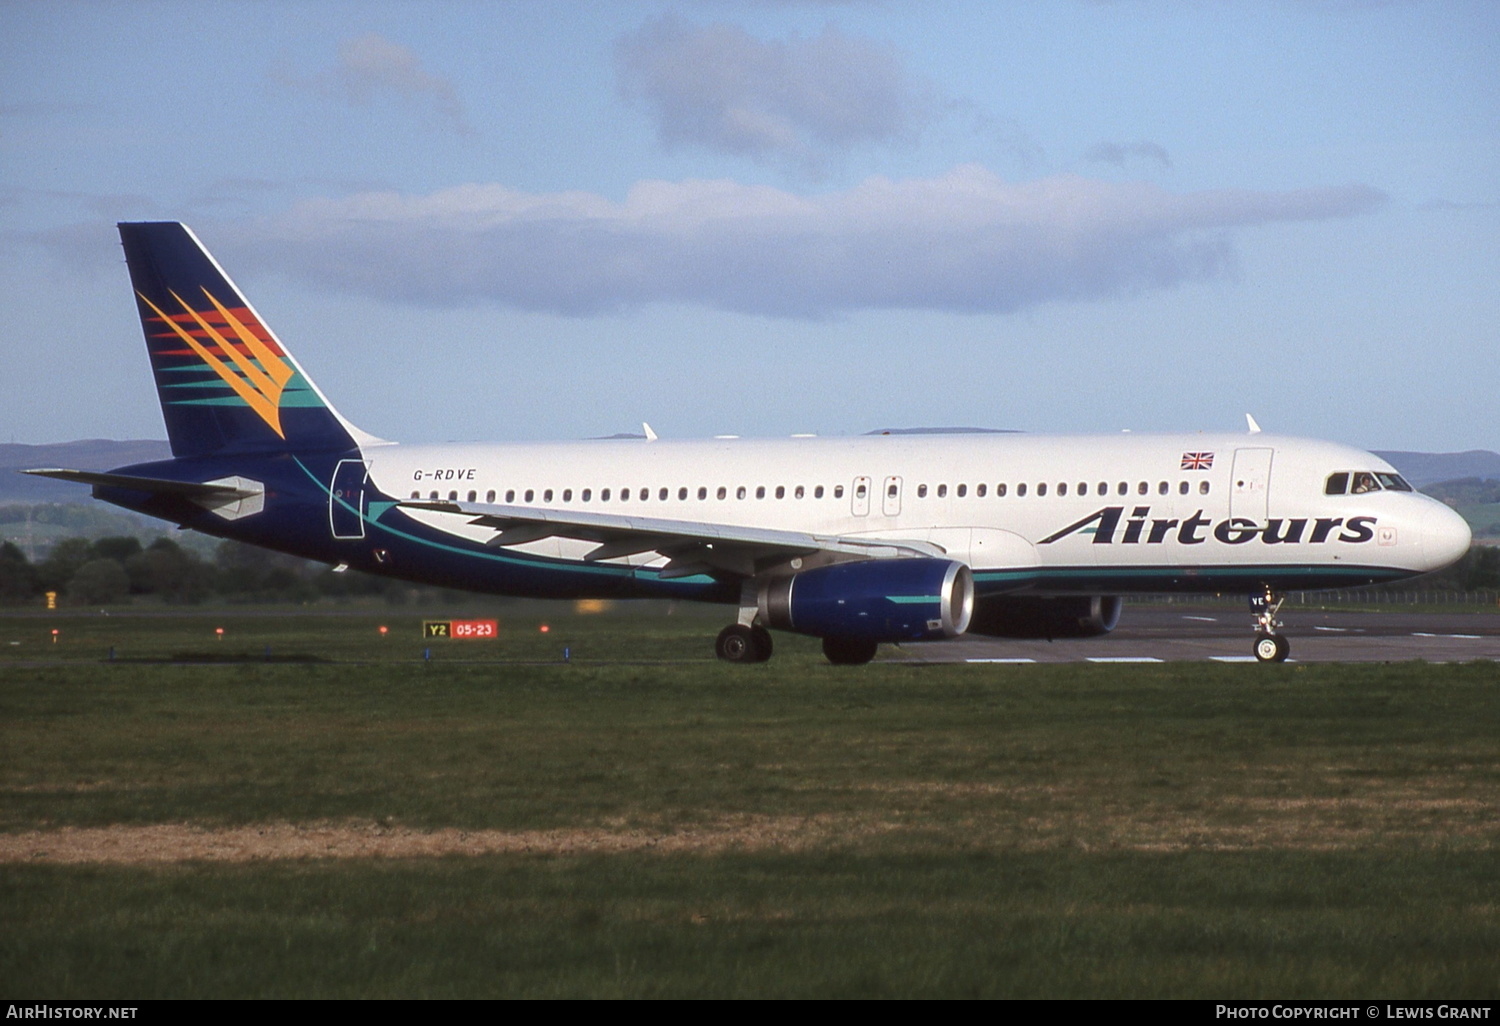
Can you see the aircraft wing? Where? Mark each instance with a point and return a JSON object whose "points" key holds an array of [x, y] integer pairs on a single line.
{"points": [[691, 546]]}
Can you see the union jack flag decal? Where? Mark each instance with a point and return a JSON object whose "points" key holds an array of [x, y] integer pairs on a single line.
{"points": [[1197, 460]]}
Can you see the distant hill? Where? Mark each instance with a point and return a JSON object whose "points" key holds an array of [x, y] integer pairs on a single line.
{"points": [[89, 454], [1425, 468]]}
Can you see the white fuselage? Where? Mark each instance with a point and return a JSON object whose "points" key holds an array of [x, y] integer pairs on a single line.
{"points": [[997, 502]]}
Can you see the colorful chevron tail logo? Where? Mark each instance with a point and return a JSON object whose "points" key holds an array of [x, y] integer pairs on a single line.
{"points": [[256, 372]]}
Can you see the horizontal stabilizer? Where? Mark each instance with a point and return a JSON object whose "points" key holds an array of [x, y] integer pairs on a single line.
{"points": [[189, 489]]}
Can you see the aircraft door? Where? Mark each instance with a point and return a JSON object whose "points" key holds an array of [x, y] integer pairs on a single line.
{"points": [[861, 496], [346, 499], [1250, 484], [890, 502]]}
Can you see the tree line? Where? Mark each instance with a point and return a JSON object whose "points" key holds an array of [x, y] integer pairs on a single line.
{"points": [[107, 571]]}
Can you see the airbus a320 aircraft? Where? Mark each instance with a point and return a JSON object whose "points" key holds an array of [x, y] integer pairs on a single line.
{"points": [[857, 541]]}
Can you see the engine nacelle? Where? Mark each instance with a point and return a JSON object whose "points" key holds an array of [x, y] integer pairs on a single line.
{"points": [[1014, 616], [877, 600]]}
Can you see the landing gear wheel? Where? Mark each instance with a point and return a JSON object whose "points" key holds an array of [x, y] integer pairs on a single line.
{"points": [[849, 651], [736, 644], [1271, 648], [740, 644], [763, 646]]}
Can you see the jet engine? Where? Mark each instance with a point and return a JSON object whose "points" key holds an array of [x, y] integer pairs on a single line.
{"points": [[1013, 616], [875, 600]]}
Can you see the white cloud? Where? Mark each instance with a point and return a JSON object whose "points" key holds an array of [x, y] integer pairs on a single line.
{"points": [[371, 65], [963, 241], [796, 99]]}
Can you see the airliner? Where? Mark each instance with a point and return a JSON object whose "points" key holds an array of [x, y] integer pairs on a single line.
{"points": [[892, 537]]}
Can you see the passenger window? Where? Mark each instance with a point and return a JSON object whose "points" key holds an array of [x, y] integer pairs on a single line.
{"points": [[979, 491], [760, 492], [547, 495], [859, 491], [818, 492], [434, 495], [1163, 488], [739, 493], [624, 494], [838, 491], [921, 491], [416, 495], [452, 496], [662, 495], [567, 495], [1083, 487], [798, 493], [604, 495], [510, 495], [489, 496], [681, 494], [1041, 489], [1142, 488], [645, 494], [722, 491], [1062, 489], [1000, 491], [1123, 489], [702, 493], [942, 491], [1182, 488], [1020, 491], [1103, 488], [530, 495], [1202, 487], [962, 491], [473, 495]]}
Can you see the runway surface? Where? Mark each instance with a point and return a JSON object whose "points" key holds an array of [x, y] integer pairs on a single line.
{"points": [[1177, 633]]}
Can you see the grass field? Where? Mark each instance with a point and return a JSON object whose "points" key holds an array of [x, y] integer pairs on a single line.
{"points": [[643, 821]]}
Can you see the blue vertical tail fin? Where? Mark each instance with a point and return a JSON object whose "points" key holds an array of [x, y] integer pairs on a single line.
{"points": [[225, 382]]}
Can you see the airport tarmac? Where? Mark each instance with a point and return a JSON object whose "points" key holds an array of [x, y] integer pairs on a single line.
{"points": [[1177, 633]]}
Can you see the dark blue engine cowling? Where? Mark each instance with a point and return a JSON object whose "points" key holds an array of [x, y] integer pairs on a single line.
{"points": [[877, 600]]}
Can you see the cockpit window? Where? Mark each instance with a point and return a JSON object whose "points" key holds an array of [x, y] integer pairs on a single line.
{"points": [[1361, 482]]}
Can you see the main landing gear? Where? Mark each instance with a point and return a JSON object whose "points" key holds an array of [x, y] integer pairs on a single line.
{"points": [[1270, 647], [849, 651], [738, 643]]}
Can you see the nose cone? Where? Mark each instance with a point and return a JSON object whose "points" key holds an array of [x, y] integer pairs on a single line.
{"points": [[1445, 536]]}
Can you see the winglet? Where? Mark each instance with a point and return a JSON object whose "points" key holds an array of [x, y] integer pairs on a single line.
{"points": [[650, 435], [1254, 427]]}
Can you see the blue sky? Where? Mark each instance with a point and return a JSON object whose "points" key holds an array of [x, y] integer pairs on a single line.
{"points": [[495, 221]]}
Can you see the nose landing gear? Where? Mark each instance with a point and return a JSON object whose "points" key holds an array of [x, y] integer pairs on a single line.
{"points": [[1270, 647]]}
